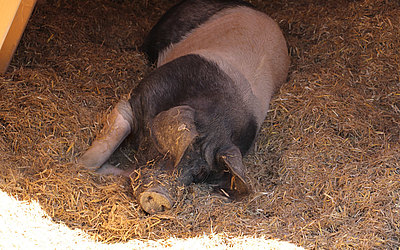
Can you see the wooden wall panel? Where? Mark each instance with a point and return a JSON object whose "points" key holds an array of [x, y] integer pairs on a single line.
{"points": [[14, 15]]}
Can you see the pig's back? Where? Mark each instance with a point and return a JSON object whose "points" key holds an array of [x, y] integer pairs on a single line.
{"points": [[180, 20], [247, 45]]}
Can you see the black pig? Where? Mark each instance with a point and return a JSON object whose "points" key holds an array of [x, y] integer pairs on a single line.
{"points": [[218, 64]]}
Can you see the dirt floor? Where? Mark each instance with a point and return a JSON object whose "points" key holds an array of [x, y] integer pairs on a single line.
{"points": [[326, 166]]}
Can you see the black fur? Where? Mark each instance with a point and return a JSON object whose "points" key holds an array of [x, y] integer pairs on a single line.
{"points": [[178, 21], [221, 116]]}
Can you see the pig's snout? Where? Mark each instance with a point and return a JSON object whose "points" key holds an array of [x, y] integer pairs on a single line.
{"points": [[155, 200]]}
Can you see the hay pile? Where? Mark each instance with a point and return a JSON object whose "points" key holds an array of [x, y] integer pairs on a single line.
{"points": [[26, 226], [326, 168]]}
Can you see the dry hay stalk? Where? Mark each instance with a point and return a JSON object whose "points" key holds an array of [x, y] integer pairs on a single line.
{"points": [[325, 168]]}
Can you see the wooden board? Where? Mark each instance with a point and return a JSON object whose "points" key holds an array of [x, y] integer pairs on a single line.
{"points": [[14, 15]]}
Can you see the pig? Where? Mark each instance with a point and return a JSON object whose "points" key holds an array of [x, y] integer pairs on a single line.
{"points": [[218, 65]]}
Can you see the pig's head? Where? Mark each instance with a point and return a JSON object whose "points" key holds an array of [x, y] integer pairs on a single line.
{"points": [[192, 157]]}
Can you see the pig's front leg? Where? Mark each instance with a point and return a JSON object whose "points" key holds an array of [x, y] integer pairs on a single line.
{"points": [[118, 127]]}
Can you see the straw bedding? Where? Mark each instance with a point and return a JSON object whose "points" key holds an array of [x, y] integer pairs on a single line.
{"points": [[325, 169]]}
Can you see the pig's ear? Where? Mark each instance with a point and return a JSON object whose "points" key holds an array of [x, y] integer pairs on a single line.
{"points": [[231, 158], [173, 131]]}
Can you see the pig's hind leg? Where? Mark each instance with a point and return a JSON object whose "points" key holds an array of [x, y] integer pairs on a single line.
{"points": [[118, 127]]}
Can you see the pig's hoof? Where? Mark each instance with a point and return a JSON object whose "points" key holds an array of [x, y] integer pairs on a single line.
{"points": [[107, 168], [155, 200]]}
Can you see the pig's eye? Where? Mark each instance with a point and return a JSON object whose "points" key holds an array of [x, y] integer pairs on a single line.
{"points": [[202, 172]]}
